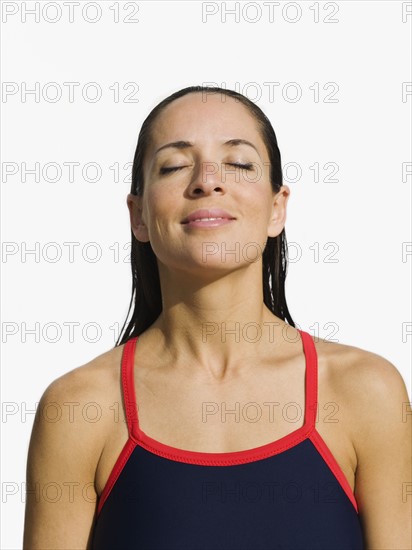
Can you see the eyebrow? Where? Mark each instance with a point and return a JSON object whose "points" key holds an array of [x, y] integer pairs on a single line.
{"points": [[187, 144]]}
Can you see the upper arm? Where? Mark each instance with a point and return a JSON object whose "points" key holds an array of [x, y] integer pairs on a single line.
{"points": [[63, 453], [382, 440]]}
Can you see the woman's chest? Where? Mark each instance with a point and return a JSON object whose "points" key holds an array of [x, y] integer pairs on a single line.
{"points": [[245, 413]]}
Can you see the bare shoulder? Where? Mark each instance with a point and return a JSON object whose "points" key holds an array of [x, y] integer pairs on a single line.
{"points": [[96, 378], [94, 374], [70, 431], [375, 408], [357, 369], [370, 388], [76, 410]]}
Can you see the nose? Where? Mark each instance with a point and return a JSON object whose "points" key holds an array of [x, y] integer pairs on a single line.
{"points": [[207, 179]]}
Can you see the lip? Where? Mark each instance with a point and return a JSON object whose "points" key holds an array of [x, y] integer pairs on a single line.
{"points": [[208, 213], [208, 223]]}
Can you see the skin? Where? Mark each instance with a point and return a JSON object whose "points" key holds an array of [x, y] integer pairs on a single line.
{"points": [[179, 367]]}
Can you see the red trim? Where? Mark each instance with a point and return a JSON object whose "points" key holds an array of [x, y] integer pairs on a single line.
{"points": [[229, 458], [331, 461], [116, 471], [127, 375], [129, 396], [138, 437], [311, 378]]}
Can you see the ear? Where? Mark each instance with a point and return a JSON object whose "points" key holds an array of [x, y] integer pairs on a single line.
{"points": [[137, 224], [278, 214]]}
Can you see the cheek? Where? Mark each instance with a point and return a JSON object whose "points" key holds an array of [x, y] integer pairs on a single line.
{"points": [[258, 197], [157, 204], [160, 213]]}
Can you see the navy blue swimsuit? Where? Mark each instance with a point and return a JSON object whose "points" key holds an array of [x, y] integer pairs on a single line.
{"points": [[290, 494]]}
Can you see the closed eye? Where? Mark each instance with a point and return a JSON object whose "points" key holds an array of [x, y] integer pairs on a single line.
{"points": [[248, 166], [170, 169]]}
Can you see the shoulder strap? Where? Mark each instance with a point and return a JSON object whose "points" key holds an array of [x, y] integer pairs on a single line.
{"points": [[129, 394], [311, 378]]}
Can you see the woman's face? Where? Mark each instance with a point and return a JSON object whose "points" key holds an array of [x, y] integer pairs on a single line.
{"points": [[205, 176]]}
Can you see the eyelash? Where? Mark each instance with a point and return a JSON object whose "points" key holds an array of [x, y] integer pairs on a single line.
{"points": [[168, 170]]}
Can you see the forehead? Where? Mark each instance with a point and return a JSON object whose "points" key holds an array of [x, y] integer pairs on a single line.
{"points": [[202, 118]]}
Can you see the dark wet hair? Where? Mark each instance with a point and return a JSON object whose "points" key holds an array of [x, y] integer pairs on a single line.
{"points": [[146, 291]]}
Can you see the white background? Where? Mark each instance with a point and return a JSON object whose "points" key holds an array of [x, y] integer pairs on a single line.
{"points": [[364, 297]]}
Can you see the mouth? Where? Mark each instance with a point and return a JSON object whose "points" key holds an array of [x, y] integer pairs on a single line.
{"points": [[208, 222], [208, 216]]}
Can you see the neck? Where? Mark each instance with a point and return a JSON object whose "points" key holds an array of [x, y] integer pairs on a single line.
{"points": [[215, 326]]}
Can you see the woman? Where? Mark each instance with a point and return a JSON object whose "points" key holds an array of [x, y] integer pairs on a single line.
{"points": [[222, 425]]}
